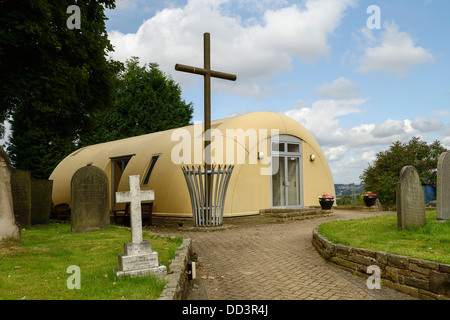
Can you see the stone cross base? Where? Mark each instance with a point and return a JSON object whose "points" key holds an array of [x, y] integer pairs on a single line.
{"points": [[140, 260]]}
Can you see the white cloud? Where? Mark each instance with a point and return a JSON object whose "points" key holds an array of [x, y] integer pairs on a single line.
{"points": [[7, 133], [254, 52], [446, 142], [396, 52], [427, 124], [321, 119], [392, 128], [340, 88], [442, 113], [335, 153], [125, 5]]}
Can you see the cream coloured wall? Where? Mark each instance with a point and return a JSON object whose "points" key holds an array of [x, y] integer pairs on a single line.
{"points": [[248, 190]]}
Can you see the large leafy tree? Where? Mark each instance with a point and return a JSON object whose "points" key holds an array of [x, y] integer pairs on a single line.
{"points": [[51, 76], [382, 176], [147, 101]]}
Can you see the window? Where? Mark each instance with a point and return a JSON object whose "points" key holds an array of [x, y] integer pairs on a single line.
{"points": [[279, 147], [293, 148], [150, 169]]}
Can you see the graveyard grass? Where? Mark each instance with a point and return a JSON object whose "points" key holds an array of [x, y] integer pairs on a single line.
{"points": [[379, 233], [37, 268]]}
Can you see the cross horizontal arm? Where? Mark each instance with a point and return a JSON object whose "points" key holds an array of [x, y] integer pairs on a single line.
{"points": [[201, 71]]}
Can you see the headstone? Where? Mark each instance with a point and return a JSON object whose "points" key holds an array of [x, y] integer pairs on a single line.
{"points": [[8, 226], [443, 188], [90, 199], [410, 199], [21, 193], [32, 198], [138, 259], [41, 200]]}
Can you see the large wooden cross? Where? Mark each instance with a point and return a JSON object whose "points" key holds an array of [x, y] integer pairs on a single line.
{"points": [[207, 73]]}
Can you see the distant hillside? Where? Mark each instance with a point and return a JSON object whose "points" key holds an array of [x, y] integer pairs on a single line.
{"points": [[347, 189]]}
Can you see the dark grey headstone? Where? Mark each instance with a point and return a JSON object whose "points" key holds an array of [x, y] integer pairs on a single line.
{"points": [[443, 188], [32, 199], [8, 226], [90, 199], [410, 199], [21, 193], [41, 201]]}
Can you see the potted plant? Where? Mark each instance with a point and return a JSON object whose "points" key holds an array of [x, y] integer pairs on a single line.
{"points": [[369, 198], [326, 201]]}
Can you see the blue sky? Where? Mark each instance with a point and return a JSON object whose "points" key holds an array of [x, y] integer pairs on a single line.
{"points": [[355, 89]]}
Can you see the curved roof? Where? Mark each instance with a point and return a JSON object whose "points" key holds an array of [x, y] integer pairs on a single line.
{"points": [[171, 195]]}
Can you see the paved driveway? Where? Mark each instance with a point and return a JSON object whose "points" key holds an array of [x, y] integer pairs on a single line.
{"points": [[274, 261]]}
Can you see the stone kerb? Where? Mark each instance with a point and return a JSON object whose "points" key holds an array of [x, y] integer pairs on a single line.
{"points": [[177, 278], [419, 278]]}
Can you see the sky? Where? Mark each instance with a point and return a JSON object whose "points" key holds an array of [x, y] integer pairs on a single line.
{"points": [[359, 75]]}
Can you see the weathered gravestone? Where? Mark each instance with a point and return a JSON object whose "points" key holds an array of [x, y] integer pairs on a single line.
{"points": [[8, 226], [90, 199], [32, 198], [21, 193], [443, 188], [139, 259], [410, 199], [41, 200]]}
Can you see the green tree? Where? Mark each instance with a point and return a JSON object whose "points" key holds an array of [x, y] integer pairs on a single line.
{"points": [[147, 101], [36, 148], [382, 176], [52, 77]]}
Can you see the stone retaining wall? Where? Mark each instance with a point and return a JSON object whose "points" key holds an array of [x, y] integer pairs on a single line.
{"points": [[285, 215], [420, 278], [177, 277], [358, 208]]}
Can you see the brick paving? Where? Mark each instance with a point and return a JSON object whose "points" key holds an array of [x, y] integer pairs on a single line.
{"points": [[274, 261]]}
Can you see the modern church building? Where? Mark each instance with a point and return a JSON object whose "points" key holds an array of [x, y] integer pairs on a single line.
{"points": [[277, 164]]}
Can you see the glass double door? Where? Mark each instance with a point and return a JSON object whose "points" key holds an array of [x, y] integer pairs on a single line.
{"points": [[286, 182]]}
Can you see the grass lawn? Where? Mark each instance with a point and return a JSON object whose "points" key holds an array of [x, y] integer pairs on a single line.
{"points": [[431, 242], [37, 268]]}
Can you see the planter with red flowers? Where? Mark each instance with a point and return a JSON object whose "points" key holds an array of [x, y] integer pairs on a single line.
{"points": [[326, 201], [369, 198]]}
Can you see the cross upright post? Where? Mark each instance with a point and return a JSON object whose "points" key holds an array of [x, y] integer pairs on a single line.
{"points": [[135, 196], [207, 73]]}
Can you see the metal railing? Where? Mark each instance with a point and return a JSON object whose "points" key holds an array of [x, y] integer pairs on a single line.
{"points": [[207, 192]]}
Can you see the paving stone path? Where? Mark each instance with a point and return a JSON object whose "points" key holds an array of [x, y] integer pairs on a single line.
{"points": [[274, 261]]}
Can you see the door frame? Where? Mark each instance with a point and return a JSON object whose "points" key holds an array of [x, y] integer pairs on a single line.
{"points": [[286, 139], [123, 160]]}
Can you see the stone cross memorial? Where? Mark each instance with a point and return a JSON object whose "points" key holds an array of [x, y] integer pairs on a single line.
{"points": [[410, 199], [8, 226], [138, 259], [90, 199], [443, 188]]}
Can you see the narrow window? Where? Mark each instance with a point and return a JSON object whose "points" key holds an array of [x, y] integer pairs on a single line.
{"points": [[150, 169]]}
